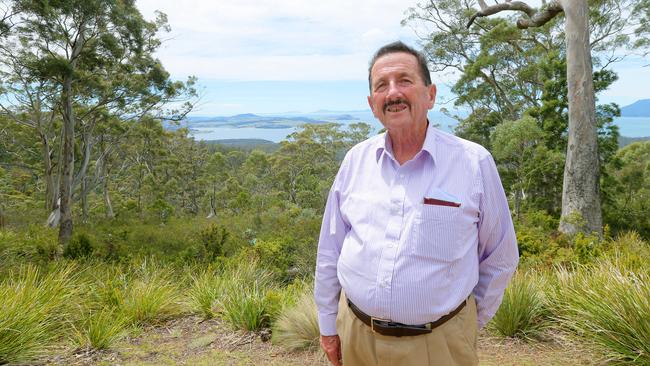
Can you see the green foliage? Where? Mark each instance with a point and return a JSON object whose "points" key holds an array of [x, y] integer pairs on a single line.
{"points": [[33, 305], [523, 312], [34, 244], [276, 255], [627, 204], [297, 326]]}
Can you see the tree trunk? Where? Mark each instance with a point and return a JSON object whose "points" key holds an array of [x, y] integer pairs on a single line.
{"points": [[2, 217], [84, 200], [65, 228], [581, 210], [51, 194], [107, 197]]}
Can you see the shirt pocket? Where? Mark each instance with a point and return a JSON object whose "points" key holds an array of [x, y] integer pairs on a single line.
{"points": [[436, 233]]}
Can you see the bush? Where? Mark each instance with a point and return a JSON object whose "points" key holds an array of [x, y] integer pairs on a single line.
{"points": [[34, 310], [523, 312], [608, 308], [297, 326], [79, 247], [214, 238]]}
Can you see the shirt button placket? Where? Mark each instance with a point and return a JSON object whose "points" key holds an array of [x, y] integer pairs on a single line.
{"points": [[389, 254]]}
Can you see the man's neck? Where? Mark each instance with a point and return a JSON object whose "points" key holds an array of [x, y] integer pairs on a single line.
{"points": [[406, 143]]}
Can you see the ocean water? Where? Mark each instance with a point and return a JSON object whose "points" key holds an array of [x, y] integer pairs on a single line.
{"points": [[633, 126], [628, 126]]}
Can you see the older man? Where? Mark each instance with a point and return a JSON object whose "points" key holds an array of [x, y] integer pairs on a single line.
{"points": [[417, 243]]}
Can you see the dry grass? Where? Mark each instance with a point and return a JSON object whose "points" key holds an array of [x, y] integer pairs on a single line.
{"points": [[193, 341]]}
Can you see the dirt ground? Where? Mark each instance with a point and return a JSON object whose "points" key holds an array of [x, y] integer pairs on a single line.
{"points": [[190, 341]]}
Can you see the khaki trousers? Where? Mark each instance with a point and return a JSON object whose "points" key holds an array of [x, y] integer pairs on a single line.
{"points": [[453, 343]]}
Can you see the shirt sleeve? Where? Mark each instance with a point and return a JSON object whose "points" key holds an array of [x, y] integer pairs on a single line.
{"points": [[327, 288], [497, 244]]}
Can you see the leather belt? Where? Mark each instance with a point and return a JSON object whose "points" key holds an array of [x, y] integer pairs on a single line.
{"points": [[394, 329]]}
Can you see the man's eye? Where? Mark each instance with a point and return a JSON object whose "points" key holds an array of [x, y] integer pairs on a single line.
{"points": [[380, 87]]}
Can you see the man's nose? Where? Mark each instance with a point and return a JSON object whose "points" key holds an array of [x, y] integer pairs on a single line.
{"points": [[393, 91]]}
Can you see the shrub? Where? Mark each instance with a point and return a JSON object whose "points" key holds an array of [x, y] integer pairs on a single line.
{"points": [[297, 326], [79, 247], [33, 308], [214, 238], [607, 307], [523, 312]]}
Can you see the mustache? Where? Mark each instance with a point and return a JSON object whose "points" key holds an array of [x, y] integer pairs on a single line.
{"points": [[394, 102]]}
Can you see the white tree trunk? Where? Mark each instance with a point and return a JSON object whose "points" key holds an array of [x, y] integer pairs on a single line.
{"points": [[581, 209]]}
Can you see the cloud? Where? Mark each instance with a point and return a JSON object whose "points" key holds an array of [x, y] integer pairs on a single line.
{"points": [[278, 40]]}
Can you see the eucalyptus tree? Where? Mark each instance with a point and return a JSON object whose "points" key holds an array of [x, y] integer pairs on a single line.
{"points": [[503, 72], [306, 163], [96, 59]]}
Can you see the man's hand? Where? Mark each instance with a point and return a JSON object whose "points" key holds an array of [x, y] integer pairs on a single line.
{"points": [[332, 347]]}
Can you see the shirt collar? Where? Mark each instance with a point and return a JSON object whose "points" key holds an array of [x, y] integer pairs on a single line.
{"points": [[384, 145]]}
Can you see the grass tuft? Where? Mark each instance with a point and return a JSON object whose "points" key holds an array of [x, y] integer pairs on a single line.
{"points": [[297, 326], [608, 308], [100, 329], [523, 313], [33, 310], [249, 301], [151, 297], [205, 289]]}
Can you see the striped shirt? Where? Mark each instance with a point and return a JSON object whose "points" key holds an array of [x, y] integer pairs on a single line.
{"points": [[409, 243]]}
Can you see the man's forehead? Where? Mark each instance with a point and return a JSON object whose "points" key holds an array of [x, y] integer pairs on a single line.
{"points": [[397, 61]]}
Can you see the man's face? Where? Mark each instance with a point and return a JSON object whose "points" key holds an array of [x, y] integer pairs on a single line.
{"points": [[398, 96]]}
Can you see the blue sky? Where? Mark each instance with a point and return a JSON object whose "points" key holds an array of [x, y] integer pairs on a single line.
{"points": [[263, 56]]}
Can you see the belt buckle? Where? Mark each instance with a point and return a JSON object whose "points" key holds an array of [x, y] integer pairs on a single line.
{"points": [[372, 323]]}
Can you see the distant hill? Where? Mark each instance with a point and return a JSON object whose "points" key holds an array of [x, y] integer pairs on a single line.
{"points": [[256, 121], [624, 141], [640, 108]]}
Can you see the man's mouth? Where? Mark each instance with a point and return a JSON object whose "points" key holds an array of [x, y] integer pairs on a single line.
{"points": [[396, 106]]}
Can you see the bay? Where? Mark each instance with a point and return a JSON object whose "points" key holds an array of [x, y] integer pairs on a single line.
{"points": [[633, 126], [628, 126]]}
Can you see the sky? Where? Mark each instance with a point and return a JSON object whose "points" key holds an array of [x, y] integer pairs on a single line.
{"points": [[276, 56]]}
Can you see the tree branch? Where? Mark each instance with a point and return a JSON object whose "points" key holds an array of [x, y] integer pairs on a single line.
{"points": [[535, 17]]}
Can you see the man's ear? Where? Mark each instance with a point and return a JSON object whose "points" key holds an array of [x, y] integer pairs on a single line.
{"points": [[371, 104], [432, 95]]}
